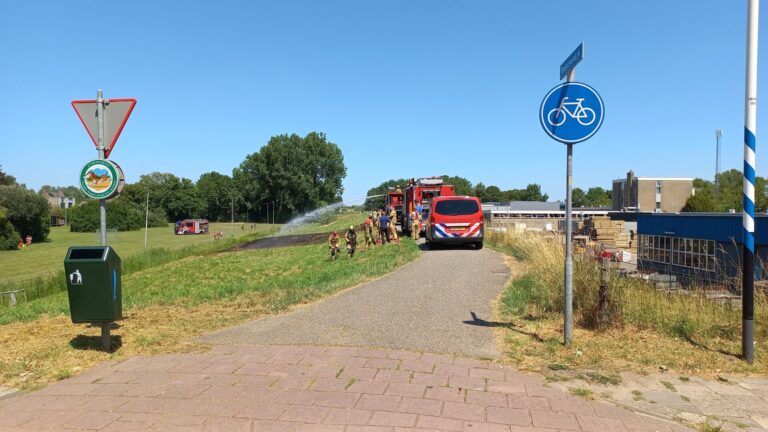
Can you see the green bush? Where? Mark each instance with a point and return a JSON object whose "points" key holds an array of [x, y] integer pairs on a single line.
{"points": [[8, 236], [121, 215], [27, 211]]}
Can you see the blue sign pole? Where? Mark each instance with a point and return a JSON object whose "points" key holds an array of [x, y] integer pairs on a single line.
{"points": [[750, 130], [570, 113]]}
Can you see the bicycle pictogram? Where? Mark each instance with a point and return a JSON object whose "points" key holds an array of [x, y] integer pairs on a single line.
{"points": [[575, 110], [571, 112]]}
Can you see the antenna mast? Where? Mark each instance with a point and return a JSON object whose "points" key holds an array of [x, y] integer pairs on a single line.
{"points": [[718, 135]]}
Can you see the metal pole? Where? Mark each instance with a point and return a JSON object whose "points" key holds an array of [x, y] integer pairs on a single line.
{"points": [[106, 342], [105, 336], [146, 221], [568, 325], [568, 285], [750, 130], [100, 146]]}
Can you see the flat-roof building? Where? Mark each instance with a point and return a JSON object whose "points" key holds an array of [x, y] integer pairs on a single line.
{"points": [[651, 194], [698, 248]]}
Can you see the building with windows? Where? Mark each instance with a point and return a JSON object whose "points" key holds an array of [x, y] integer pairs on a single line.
{"points": [[58, 200], [651, 194], [698, 248]]}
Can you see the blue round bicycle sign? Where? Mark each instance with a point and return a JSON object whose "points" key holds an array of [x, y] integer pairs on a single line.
{"points": [[571, 112]]}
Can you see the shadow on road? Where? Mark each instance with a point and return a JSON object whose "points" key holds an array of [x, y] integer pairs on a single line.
{"points": [[439, 247], [476, 321]]}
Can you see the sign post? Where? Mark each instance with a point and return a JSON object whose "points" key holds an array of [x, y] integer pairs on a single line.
{"points": [[570, 113], [748, 219], [103, 179]]}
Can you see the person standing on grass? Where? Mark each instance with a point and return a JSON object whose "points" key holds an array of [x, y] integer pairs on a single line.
{"points": [[333, 244], [393, 224], [375, 217], [368, 232], [384, 228], [351, 238]]}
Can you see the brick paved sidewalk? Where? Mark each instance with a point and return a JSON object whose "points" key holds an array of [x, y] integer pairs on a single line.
{"points": [[307, 388]]}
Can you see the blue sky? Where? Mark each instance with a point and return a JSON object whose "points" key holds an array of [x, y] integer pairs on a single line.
{"points": [[405, 88]]}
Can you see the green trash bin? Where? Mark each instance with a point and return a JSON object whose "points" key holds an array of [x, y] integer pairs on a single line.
{"points": [[94, 284]]}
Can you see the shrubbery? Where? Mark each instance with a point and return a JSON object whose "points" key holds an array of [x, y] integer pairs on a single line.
{"points": [[27, 211], [121, 215], [8, 236]]}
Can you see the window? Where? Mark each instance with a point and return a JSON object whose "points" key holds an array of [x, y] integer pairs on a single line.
{"points": [[658, 186], [686, 252], [456, 207]]}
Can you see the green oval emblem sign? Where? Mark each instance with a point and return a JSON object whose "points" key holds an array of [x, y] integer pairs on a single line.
{"points": [[99, 179]]}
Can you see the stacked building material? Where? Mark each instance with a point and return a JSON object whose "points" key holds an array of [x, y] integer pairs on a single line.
{"points": [[608, 232]]}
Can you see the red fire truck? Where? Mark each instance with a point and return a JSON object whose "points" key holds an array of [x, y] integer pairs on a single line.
{"points": [[394, 200], [191, 226], [421, 192]]}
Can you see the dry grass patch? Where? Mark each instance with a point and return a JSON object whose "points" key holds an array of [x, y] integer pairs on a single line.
{"points": [[649, 328]]}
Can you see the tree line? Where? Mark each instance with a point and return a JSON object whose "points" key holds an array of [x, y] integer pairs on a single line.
{"points": [[706, 198], [289, 175]]}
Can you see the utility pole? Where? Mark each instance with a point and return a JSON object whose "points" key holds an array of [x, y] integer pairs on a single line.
{"points": [[718, 135], [750, 132], [146, 221]]}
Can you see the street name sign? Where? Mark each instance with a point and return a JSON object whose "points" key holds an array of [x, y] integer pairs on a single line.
{"points": [[116, 113], [571, 112], [576, 56]]}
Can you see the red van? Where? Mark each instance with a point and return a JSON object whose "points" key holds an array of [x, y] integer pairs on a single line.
{"points": [[455, 220]]}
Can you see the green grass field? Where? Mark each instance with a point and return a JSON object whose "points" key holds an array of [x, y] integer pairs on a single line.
{"points": [[43, 259]]}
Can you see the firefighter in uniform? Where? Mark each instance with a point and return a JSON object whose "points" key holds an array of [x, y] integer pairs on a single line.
{"points": [[393, 224], [333, 244], [351, 238], [415, 225], [376, 228], [368, 232]]}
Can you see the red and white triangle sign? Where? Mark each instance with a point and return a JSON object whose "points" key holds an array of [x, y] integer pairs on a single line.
{"points": [[116, 113]]}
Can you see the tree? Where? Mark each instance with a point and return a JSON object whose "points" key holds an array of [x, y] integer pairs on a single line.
{"points": [[297, 174], [706, 198], [579, 197], [599, 197], [532, 192], [702, 201], [6, 179], [218, 193], [122, 215], [461, 186], [177, 197], [9, 238], [493, 194], [479, 191], [27, 211]]}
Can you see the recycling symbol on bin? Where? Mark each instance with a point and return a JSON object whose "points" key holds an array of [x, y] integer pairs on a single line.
{"points": [[75, 278]]}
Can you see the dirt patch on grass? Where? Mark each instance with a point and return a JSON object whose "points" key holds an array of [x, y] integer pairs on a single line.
{"points": [[283, 241]]}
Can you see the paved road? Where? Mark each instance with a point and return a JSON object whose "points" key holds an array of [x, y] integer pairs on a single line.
{"points": [[439, 303], [312, 389]]}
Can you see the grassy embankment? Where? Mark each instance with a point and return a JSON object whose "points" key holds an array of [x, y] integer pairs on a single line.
{"points": [[39, 268], [166, 305], [649, 329]]}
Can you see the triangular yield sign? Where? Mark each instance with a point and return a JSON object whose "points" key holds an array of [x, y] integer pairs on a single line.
{"points": [[116, 113]]}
